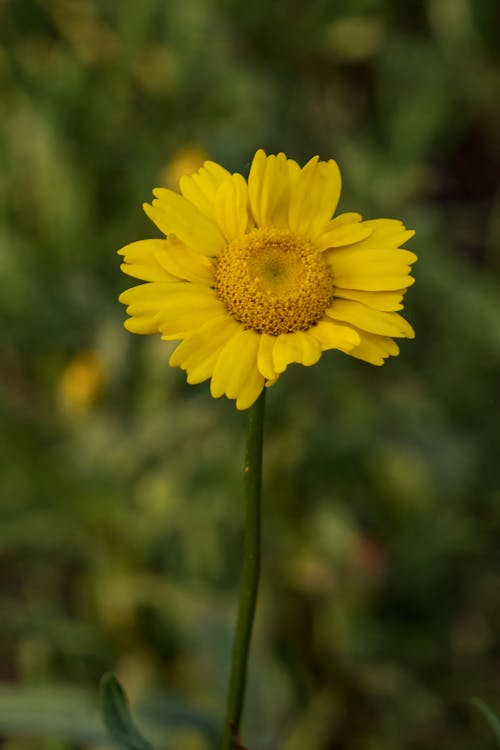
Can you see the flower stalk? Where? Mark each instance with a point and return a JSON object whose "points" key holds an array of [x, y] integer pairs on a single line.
{"points": [[250, 574]]}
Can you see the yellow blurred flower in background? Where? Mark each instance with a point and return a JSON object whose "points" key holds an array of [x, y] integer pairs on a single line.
{"points": [[81, 382], [184, 161]]}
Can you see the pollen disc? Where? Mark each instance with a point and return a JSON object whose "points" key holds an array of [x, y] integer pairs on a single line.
{"points": [[272, 281]]}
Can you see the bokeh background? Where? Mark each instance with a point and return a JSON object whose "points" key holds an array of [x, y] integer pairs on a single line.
{"points": [[121, 499]]}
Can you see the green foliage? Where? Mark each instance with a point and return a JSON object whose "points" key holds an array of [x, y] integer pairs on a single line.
{"points": [[490, 716], [117, 718], [120, 486]]}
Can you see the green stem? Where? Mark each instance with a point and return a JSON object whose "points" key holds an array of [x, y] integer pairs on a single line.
{"points": [[250, 574]]}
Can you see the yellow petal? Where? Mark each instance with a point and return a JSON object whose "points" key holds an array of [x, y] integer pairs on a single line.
{"points": [[386, 233], [201, 188], [375, 283], [147, 294], [295, 347], [343, 234], [250, 390], [141, 260], [374, 349], [330, 335], [198, 353], [268, 189], [354, 258], [231, 207], [348, 217], [144, 303], [237, 362], [314, 197], [265, 356], [179, 260], [177, 309], [387, 301], [269, 383], [381, 270], [293, 172], [173, 214], [367, 319], [142, 325], [186, 309]]}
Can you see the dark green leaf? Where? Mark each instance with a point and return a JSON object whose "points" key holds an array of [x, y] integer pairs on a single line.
{"points": [[117, 717], [490, 716]]}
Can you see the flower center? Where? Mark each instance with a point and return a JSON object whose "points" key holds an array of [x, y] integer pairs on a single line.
{"points": [[273, 282]]}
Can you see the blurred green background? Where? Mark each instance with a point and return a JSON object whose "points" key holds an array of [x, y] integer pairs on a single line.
{"points": [[121, 499]]}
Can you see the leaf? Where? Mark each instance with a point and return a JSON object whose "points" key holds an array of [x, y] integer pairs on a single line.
{"points": [[117, 717], [490, 716]]}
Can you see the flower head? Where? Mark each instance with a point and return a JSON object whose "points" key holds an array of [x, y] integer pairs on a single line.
{"points": [[254, 275]]}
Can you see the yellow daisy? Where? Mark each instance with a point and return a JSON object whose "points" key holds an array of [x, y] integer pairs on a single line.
{"points": [[254, 275]]}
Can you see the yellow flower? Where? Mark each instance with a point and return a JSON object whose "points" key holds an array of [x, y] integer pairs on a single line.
{"points": [[254, 275], [185, 160], [81, 382]]}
